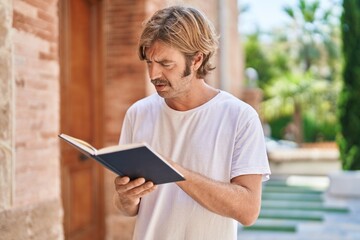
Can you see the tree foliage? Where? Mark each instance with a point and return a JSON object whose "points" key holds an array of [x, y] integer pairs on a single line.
{"points": [[299, 65], [314, 33], [349, 102], [256, 58], [304, 89], [296, 93]]}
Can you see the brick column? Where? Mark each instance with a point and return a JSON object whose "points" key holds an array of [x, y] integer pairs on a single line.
{"points": [[30, 204], [6, 105]]}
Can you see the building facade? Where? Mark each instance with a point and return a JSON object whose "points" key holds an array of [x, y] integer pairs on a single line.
{"points": [[71, 66]]}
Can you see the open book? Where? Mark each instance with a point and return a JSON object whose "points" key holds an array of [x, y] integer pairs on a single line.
{"points": [[132, 160]]}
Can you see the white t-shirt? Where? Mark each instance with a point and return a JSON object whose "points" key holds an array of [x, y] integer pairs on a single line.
{"points": [[220, 139]]}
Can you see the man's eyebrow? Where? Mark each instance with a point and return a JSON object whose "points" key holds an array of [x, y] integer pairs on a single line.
{"points": [[160, 61]]}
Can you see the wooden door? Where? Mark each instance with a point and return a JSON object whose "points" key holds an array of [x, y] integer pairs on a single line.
{"points": [[81, 114]]}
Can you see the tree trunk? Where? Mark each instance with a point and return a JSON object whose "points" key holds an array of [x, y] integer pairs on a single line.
{"points": [[298, 123]]}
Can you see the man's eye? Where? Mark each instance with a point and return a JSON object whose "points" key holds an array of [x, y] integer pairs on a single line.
{"points": [[166, 65]]}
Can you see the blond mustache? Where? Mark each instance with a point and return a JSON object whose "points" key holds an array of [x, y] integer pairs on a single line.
{"points": [[159, 81]]}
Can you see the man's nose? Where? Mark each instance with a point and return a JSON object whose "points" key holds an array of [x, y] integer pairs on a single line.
{"points": [[154, 71]]}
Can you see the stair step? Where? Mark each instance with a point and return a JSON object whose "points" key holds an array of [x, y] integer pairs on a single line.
{"points": [[291, 215], [272, 225], [291, 189], [314, 183], [292, 196], [301, 205], [274, 182], [272, 228]]}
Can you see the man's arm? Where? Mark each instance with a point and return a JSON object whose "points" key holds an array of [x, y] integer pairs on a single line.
{"points": [[240, 199]]}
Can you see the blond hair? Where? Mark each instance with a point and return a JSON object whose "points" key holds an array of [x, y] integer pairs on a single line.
{"points": [[184, 28]]}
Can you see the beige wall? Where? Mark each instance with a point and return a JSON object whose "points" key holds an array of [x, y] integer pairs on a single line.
{"points": [[228, 74], [30, 178], [30, 202], [6, 107]]}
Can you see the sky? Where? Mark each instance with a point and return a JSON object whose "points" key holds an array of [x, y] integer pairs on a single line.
{"points": [[266, 14]]}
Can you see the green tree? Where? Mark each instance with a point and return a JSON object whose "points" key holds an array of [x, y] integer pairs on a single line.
{"points": [[314, 33], [349, 102], [294, 66], [294, 93], [312, 42], [256, 58]]}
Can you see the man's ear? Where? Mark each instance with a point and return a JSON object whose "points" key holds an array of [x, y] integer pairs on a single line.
{"points": [[198, 60]]}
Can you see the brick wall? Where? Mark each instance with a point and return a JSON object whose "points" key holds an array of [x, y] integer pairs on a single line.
{"points": [[30, 187], [36, 73], [36, 205], [125, 80]]}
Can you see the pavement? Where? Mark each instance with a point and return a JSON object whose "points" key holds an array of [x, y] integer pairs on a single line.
{"points": [[299, 208]]}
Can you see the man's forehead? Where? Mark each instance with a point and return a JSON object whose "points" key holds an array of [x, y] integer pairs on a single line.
{"points": [[160, 52]]}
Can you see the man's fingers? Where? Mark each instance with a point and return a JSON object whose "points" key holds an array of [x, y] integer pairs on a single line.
{"points": [[122, 180], [141, 189], [123, 185], [151, 187], [127, 183]]}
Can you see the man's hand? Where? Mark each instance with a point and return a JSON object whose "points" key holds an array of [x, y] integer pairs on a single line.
{"points": [[129, 193]]}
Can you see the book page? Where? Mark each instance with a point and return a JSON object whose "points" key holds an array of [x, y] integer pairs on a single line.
{"points": [[79, 143], [119, 148]]}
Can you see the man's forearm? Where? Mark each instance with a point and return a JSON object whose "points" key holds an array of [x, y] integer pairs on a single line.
{"points": [[239, 200]]}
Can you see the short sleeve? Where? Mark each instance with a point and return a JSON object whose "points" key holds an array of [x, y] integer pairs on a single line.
{"points": [[250, 155]]}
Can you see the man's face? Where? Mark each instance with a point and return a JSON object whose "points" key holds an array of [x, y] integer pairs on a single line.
{"points": [[168, 71]]}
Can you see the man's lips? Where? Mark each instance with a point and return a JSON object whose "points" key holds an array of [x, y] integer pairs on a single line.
{"points": [[159, 84], [160, 87]]}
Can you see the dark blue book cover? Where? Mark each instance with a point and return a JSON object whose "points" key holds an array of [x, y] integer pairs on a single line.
{"points": [[141, 162], [133, 160]]}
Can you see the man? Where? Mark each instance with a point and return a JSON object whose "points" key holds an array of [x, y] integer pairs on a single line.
{"points": [[214, 139]]}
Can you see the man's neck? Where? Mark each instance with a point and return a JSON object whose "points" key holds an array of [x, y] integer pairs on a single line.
{"points": [[195, 98]]}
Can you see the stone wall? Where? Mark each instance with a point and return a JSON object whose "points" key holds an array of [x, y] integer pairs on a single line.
{"points": [[6, 107], [36, 74], [33, 222], [30, 205], [125, 80]]}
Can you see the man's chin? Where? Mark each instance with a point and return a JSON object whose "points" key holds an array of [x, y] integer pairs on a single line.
{"points": [[161, 94]]}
